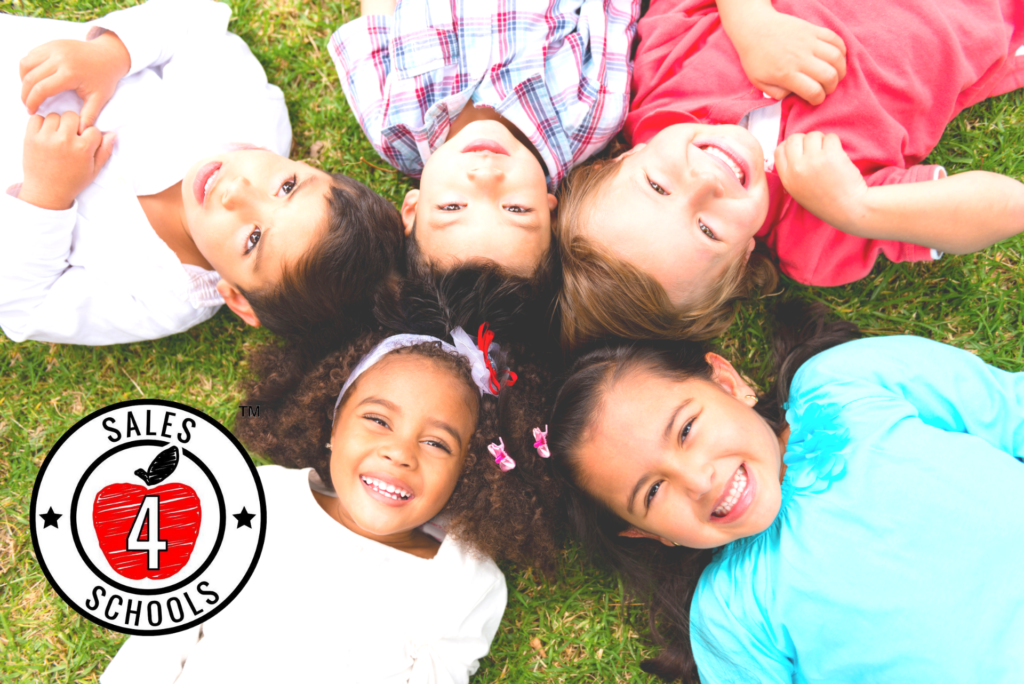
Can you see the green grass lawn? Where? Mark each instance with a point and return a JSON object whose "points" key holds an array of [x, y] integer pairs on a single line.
{"points": [[576, 628]]}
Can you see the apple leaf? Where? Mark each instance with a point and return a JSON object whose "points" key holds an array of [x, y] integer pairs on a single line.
{"points": [[161, 467]]}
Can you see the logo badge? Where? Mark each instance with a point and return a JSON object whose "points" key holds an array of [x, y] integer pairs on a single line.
{"points": [[148, 517]]}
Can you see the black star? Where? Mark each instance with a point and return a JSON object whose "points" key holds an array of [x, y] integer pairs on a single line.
{"points": [[244, 518], [50, 518]]}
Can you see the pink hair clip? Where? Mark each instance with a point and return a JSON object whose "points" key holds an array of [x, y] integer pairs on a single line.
{"points": [[541, 445], [501, 456]]}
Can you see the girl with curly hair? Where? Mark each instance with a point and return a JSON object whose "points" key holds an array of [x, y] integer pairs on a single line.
{"points": [[849, 538], [356, 583]]}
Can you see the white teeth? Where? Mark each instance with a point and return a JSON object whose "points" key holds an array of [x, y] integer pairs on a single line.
{"points": [[719, 154], [209, 183], [739, 485], [386, 489]]}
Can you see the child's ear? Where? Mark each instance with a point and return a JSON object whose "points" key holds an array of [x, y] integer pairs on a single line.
{"points": [[409, 210], [729, 379], [635, 533], [552, 202], [750, 250], [237, 302]]}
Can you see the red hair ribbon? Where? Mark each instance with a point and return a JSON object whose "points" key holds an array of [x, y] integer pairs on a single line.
{"points": [[484, 337]]}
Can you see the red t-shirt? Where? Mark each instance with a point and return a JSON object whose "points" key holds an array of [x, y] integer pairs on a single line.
{"points": [[912, 66]]}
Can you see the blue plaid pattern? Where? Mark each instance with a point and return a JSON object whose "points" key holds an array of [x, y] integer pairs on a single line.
{"points": [[557, 69]]}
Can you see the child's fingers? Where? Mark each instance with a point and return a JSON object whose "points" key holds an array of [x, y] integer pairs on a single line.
{"points": [[105, 148], [833, 57], [35, 123], [34, 58], [91, 109], [92, 138], [832, 37], [31, 84], [806, 87], [51, 123], [68, 125], [774, 92], [824, 73], [813, 141], [781, 163], [48, 87], [790, 147], [832, 143]]}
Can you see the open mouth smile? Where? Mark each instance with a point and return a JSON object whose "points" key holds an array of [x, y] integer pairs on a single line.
{"points": [[389, 492], [726, 157], [206, 178], [736, 497]]}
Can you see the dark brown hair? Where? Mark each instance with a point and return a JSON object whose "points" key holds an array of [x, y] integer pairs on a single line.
{"points": [[666, 578], [431, 301], [544, 278], [604, 296], [330, 292], [505, 515]]}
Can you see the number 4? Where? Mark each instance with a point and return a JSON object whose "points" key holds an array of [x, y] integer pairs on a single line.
{"points": [[152, 545]]}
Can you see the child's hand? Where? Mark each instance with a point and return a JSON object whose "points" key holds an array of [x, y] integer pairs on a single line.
{"points": [[819, 175], [58, 162], [782, 54], [90, 68]]}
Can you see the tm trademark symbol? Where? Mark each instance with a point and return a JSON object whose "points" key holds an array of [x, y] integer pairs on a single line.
{"points": [[249, 410]]}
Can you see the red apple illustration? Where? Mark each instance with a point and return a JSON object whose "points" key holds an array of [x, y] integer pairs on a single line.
{"points": [[148, 531]]}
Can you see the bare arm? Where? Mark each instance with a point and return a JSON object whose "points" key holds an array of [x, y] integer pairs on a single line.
{"points": [[782, 54], [959, 214], [377, 7]]}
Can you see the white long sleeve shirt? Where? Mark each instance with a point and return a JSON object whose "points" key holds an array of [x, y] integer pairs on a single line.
{"points": [[98, 273], [327, 605]]}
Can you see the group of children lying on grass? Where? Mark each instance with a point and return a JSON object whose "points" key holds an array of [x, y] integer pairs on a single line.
{"points": [[516, 354]]}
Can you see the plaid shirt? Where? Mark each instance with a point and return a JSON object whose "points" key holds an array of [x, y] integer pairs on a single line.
{"points": [[557, 69]]}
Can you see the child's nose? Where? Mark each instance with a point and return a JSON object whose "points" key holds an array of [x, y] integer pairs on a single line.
{"points": [[705, 184], [400, 454], [487, 175], [236, 192], [697, 480]]}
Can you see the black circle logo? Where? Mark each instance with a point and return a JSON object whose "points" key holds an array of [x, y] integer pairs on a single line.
{"points": [[148, 517]]}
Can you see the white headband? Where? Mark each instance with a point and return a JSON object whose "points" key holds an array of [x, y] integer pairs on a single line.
{"points": [[462, 345]]}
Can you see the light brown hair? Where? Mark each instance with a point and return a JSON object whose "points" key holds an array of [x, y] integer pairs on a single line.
{"points": [[604, 296]]}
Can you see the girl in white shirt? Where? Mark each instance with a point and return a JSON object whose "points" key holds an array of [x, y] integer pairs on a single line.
{"points": [[132, 210], [353, 585]]}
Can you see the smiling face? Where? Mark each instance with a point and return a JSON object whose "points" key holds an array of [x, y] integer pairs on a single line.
{"points": [[253, 213], [398, 445], [684, 206], [685, 462], [482, 197]]}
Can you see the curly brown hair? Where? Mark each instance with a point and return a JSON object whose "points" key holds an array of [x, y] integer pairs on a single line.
{"points": [[504, 515]]}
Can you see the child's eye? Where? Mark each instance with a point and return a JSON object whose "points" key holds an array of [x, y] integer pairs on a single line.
{"points": [[707, 231], [253, 239], [438, 445], [450, 207], [287, 186], [685, 432], [651, 492], [376, 419], [657, 188], [517, 209]]}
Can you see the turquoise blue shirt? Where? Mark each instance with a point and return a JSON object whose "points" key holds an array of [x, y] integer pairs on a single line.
{"points": [[898, 552]]}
